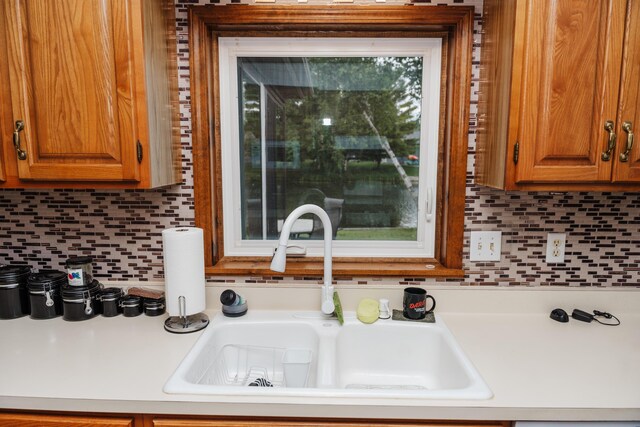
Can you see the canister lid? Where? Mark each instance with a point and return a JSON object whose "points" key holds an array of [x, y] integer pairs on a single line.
{"points": [[81, 291], [153, 303], [46, 279], [78, 260], [13, 274], [109, 294], [130, 301]]}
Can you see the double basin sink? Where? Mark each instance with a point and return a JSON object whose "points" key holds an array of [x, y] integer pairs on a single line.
{"points": [[304, 354]]}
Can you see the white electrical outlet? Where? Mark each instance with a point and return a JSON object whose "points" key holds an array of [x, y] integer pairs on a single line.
{"points": [[485, 246], [556, 243]]}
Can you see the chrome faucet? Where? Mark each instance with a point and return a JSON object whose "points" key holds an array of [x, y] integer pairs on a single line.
{"points": [[279, 261]]}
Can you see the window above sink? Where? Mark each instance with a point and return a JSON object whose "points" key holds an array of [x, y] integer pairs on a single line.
{"points": [[349, 124], [365, 117]]}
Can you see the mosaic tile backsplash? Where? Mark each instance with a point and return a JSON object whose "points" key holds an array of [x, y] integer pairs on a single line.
{"points": [[122, 229]]}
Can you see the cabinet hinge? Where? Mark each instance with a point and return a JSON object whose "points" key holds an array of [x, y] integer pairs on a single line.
{"points": [[516, 152], [139, 151]]}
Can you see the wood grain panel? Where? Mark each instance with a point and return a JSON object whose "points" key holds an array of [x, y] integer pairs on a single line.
{"points": [[569, 85], [70, 71], [629, 99], [123, 37], [205, 157], [368, 18], [494, 95], [572, 61], [342, 267], [59, 44], [456, 143], [6, 145], [161, 126], [38, 420]]}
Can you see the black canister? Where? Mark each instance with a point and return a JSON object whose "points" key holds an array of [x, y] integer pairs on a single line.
{"points": [[131, 305], [14, 298], [111, 301], [44, 293], [153, 307], [81, 302]]}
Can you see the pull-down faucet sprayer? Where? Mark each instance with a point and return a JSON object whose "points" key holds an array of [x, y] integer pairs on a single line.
{"points": [[279, 261]]}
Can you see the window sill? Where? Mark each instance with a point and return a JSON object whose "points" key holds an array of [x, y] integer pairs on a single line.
{"points": [[230, 266]]}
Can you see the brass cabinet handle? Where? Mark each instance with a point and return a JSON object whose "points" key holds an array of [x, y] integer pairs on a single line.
{"points": [[22, 155], [608, 126], [626, 126]]}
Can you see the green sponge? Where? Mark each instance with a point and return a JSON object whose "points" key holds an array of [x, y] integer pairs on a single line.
{"points": [[368, 311], [338, 308]]}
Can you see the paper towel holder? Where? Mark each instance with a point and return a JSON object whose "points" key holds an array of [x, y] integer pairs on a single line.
{"points": [[183, 324]]}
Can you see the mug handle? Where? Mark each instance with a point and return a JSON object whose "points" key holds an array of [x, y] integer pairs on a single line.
{"points": [[433, 307]]}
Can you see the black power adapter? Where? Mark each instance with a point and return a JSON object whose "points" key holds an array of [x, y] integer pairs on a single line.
{"points": [[581, 315]]}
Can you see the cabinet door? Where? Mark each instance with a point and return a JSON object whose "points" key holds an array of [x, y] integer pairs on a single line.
{"points": [[160, 422], [70, 66], [629, 118], [35, 420], [571, 60]]}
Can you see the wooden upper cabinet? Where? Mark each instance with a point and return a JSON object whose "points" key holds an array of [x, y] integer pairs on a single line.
{"points": [[571, 69], [629, 116], [91, 90], [72, 89], [551, 94]]}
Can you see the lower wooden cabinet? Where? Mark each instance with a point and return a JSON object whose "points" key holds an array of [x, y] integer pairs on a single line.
{"points": [[42, 420], [182, 422]]}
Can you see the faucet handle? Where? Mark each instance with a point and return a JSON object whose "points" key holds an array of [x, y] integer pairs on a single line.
{"points": [[298, 251]]}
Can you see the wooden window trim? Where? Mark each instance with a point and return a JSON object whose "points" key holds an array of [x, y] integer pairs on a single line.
{"points": [[207, 23]]}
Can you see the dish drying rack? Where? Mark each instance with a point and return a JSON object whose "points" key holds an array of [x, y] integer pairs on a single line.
{"points": [[242, 365]]}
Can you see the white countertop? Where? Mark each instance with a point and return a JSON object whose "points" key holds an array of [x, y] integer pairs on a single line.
{"points": [[538, 369]]}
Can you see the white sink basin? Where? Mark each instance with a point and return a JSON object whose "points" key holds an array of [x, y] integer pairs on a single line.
{"points": [[405, 357], [304, 354]]}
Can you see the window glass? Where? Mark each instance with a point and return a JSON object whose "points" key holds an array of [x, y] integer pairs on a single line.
{"points": [[352, 132]]}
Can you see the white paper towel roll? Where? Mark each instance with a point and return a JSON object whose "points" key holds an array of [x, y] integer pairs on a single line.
{"points": [[183, 250]]}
